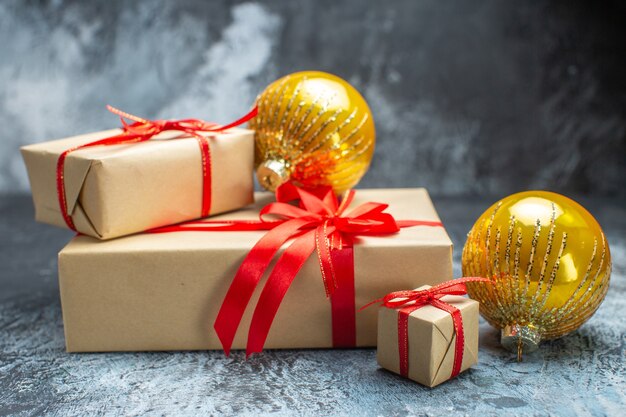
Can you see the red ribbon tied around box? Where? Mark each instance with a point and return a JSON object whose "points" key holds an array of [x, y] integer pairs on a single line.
{"points": [[411, 300], [318, 223], [142, 130]]}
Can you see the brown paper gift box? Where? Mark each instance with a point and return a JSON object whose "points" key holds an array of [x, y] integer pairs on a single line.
{"points": [[431, 340], [163, 291], [123, 189]]}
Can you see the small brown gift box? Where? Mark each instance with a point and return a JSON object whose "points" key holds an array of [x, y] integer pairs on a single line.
{"points": [[163, 291], [118, 190], [431, 340]]}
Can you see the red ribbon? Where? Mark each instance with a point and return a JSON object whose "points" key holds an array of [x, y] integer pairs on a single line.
{"points": [[318, 223], [142, 130], [411, 300]]}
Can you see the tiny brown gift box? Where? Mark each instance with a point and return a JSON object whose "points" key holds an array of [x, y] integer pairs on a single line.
{"points": [[431, 339]]}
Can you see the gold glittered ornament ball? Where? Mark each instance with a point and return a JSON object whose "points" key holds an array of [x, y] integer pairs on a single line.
{"points": [[549, 262], [313, 129]]}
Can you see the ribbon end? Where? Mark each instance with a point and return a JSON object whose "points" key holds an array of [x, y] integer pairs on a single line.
{"points": [[226, 344], [250, 352], [371, 303]]}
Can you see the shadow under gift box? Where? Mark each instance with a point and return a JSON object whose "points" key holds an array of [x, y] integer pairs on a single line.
{"points": [[118, 190], [163, 291]]}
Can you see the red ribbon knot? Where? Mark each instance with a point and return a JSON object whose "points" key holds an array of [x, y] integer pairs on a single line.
{"points": [[142, 130], [320, 211], [410, 300]]}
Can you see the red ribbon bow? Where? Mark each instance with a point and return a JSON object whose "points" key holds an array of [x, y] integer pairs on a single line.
{"points": [[411, 300], [142, 130], [318, 223]]}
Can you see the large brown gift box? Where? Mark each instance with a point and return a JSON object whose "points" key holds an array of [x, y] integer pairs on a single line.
{"points": [[118, 190], [431, 340], [163, 291]]}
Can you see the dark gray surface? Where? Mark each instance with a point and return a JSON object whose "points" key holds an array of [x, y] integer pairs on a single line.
{"points": [[582, 374], [477, 96]]}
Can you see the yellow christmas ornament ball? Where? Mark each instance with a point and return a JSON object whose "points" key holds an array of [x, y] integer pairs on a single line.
{"points": [[314, 129], [549, 262]]}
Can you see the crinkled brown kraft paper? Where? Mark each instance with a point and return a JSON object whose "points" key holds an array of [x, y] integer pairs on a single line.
{"points": [[163, 291], [123, 189], [431, 340]]}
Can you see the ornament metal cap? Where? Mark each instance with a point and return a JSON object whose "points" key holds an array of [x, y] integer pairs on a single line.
{"points": [[272, 173], [517, 338]]}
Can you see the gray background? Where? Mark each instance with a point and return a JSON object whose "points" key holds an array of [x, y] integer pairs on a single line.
{"points": [[481, 97]]}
